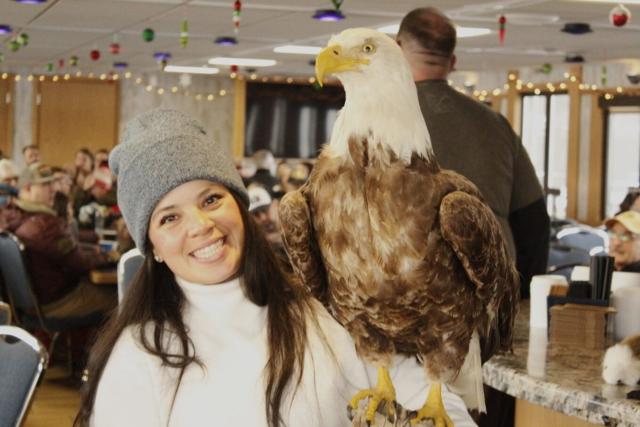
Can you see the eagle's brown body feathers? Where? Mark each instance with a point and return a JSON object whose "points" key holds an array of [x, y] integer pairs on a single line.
{"points": [[406, 257]]}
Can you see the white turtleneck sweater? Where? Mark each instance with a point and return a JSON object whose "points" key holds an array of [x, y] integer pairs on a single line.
{"points": [[230, 338]]}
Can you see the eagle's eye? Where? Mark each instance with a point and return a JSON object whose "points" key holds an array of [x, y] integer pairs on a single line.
{"points": [[368, 48]]}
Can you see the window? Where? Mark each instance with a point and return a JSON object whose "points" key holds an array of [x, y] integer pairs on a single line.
{"points": [[622, 155], [545, 135], [290, 120]]}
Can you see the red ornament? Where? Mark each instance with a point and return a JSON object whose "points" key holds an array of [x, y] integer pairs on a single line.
{"points": [[234, 68], [619, 16], [114, 48], [502, 21], [95, 54], [60, 63]]}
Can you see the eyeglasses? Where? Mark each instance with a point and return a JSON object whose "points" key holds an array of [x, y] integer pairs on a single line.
{"points": [[623, 237]]}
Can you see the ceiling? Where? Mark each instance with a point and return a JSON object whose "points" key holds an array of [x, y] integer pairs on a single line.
{"points": [[59, 29]]}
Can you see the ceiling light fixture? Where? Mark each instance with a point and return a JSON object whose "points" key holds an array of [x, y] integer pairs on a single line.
{"points": [[242, 62], [330, 15], [191, 70], [31, 1], [461, 32], [120, 65], [298, 49], [226, 41], [5, 29], [576, 28]]}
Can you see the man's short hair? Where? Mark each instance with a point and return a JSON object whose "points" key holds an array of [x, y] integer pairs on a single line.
{"points": [[29, 147], [431, 29]]}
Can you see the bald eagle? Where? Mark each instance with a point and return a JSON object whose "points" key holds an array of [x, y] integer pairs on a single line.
{"points": [[405, 255]]}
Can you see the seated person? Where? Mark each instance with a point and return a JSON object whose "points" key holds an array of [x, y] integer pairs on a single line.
{"points": [[93, 203], [54, 260], [624, 240], [8, 181], [264, 211]]}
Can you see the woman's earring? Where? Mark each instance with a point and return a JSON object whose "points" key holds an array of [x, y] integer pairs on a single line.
{"points": [[157, 258]]}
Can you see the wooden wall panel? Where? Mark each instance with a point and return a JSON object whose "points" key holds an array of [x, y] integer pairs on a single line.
{"points": [[74, 114], [531, 415], [6, 116], [239, 112]]}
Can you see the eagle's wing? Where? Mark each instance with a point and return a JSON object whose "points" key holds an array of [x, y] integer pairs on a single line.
{"points": [[473, 232], [300, 243]]}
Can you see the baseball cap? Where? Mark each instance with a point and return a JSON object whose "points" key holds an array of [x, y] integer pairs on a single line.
{"points": [[258, 197], [628, 219]]}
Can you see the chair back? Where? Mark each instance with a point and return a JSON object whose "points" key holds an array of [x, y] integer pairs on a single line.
{"points": [[128, 266], [24, 360], [15, 275], [582, 237], [5, 313]]}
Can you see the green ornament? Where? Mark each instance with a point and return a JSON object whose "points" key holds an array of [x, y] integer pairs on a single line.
{"points": [[73, 61], [546, 68], [14, 45], [148, 35], [23, 39], [184, 33], [1, 57], [49, 67]]}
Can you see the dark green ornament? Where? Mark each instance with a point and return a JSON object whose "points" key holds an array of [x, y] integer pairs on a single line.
{"points": [[14, 45], [23, 39], [1, 57], [73, 61], [49, 67], [148, 34]]}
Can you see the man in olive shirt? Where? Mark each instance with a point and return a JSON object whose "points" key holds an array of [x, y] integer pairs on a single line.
{"points": [[473, 140]]}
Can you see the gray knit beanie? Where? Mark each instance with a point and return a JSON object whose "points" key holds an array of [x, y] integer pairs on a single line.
{"points": [[159, 151]]}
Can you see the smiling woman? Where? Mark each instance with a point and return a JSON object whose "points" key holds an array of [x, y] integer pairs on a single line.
{"points": [[212, 328], [197, 230]]}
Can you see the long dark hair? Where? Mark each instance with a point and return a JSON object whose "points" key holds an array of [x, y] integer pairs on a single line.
{"points": [[155, 299]]}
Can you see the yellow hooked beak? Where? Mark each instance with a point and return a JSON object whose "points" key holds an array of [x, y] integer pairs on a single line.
{"points": [[331, 60]]}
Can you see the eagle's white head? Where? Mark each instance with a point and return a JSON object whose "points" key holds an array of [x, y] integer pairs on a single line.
{"points": [[381, 97]]}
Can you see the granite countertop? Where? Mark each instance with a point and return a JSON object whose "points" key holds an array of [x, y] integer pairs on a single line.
{"points": [[567, 380]]}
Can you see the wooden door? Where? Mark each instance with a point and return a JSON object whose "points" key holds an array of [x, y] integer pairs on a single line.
{"points": [[74, 114], [6, 116]]}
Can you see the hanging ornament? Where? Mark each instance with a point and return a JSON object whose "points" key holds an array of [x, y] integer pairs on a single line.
{"points": [[94, 55], [502, 21], [184, 33], [619, 16], [23, 39], [148, 34], [14, 46], [603, 76], [237, 8], [60, 63], [114, 47], [73, 61], [1, 57], [49, 67], [545, 68], [234, 69]]}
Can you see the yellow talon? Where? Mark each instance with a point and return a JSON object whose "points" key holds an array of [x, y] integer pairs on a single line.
{"points": [[434, 409], [383, 391]]}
